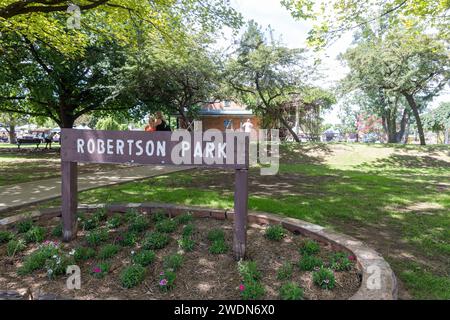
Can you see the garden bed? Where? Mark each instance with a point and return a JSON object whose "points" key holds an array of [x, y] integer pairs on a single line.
{"points": [[125, 256]]}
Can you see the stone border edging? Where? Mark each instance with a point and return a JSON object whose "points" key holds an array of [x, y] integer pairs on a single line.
{"points": [[371, 263]]}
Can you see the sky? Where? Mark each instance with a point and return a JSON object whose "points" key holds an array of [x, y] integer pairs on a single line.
{"points": [[293, 33]]}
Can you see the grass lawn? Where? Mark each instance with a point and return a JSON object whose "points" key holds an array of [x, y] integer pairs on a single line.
{"points": [[28, 164], [396, 199]]}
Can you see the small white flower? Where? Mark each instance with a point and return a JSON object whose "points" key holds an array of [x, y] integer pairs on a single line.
{"points": [[72, 252], [132, 252], [55, 256]]}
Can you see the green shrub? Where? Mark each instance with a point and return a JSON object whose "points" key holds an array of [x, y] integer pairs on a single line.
{"points": [[83, 254], [108, 251], [132, 276], [37, 259], [291, 291], [340, 262], [187, 244], [15, 246], [184, 218], [216, 234], [127, 239], [188, 230], [166, 280], [88, 224], [24, 226], [252, 290], [324, 278], [138, 224], [5, 236], [100, 215], [285, 271], [96, 237], [131, 214], [275, 233], [57, 265], [249, 271], [144, 257], [35, 234], [174, 261], [309, 263], [101, 270], [310, 247], [218, 247], [114, 222], [158, 216], [57, 231], [155, 241], [166, 226]]}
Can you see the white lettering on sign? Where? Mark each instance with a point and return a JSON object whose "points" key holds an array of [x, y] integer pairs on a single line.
{"points": [[119, 147], [109, 146], [161, 149], [91, 146], [139, 147], [80, 146], [149, 148]]}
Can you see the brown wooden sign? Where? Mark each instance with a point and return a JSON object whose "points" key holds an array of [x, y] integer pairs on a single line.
{"points": [[200, 149]]}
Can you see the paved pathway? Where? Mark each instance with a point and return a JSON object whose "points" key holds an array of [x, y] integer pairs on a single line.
{"points": [[15, 196]]}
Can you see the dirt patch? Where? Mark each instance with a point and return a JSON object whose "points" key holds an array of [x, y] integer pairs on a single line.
{"points": [[202, 275]]}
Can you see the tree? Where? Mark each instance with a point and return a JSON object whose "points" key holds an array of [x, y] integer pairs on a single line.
{"points": [[438, 120], [126, 21], [334, 18], [39, 81], [265, 75], [9, 122], [173, 80], [400, 64]]}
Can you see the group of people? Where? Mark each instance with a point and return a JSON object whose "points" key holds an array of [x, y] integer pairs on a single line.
{"points": [[157, 123]]}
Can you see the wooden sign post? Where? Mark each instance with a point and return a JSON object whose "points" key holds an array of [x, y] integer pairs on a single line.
{"points": [[226, 150]]}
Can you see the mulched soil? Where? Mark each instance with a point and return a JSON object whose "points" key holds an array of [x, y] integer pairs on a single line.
{"points": [[202, 276]]}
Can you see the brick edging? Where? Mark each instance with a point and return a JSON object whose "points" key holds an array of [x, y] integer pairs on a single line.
{"points": [[376, 272]]}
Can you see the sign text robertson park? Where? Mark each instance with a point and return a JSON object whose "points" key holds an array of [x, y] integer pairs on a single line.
{"points": [[212, 148]]}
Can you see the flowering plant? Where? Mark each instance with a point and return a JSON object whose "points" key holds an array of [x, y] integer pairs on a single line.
{"points": [[166, 280]]}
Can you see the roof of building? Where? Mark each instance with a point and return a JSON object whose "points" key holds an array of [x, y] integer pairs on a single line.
{"points": [[225, 113]]}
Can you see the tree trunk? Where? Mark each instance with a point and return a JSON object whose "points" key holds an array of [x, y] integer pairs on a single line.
{"points": [[12, 133], [404, 121], [447, 136], [291, 131], [412, 103]]}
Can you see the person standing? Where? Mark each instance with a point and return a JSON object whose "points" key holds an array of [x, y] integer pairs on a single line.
{"points": [[248, 126], [161, 124], [150, 127]]}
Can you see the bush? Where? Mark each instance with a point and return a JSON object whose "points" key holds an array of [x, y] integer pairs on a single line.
{"points": [[57, 231], [340, 262], [15, 246], [173, 261], [158, 216], [309, 263], [144, 257], [249, 270], [166, 226], [37, 259], [216, 234], [188, 230], [187, 244], [108, 251], [285, 271], [218, 247], [100, 215], [131, 214], [83, 254], [166, 280], [96, 237], [132, 276], [127, 239], [5, 236], [324, 278], [24, 226], [114, 222], [252, 290], [275, 233], [291, 291], [101, 270], [35, 234], [57, 265], [155, 241], [184, 218], [138, 224], [310, 247]]}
